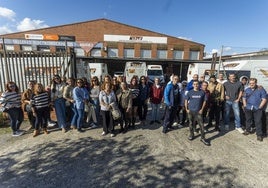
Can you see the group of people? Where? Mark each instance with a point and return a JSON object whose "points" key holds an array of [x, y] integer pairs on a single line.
{"points": [[76, 101], [203, 101]]}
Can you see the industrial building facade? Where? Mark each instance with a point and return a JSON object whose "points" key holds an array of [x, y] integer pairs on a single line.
{"points": [[108, 42]]}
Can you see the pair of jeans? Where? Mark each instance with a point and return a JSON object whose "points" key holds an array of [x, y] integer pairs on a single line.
{"points": [[255, 115], [60, 109], [16, 117], [155, 111], [78, 117], [235, 107], [169, 117], [193, 117], [142, 110], [41, 118], [97, 109]]}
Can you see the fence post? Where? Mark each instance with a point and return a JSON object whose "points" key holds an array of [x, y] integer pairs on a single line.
{"points": [[5, 62]]}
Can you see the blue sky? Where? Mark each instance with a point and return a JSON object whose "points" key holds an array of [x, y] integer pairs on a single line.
{"points": [[238, 25]]}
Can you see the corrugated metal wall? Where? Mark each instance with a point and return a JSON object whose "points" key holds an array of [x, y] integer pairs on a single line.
{"points": [[22, 67]]}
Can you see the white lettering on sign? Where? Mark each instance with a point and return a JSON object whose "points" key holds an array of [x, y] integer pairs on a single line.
{"points": [[141, 39]]}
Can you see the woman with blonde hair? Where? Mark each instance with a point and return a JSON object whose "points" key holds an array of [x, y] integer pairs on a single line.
{"points": [[107, 97], [40, 107]]}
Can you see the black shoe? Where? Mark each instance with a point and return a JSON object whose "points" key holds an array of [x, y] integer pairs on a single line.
{"points": [[205, 142], [259, 138], [217, 129], [164, 131], [246, 132], [80, 130], [158, 122], [171, 128], [151, 122]]}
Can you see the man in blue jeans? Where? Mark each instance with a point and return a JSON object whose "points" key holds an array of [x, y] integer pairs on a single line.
{"points": [[233, 93], [254, 100]]}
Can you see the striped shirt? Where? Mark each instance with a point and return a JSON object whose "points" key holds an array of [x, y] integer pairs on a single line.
{"points": [[40, 101], [11, 99]]}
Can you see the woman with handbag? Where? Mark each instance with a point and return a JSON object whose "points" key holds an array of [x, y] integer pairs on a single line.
{"points": [[124, 98], [107, 97], [26, 98], [11, 102]]}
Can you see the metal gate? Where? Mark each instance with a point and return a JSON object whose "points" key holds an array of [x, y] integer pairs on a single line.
{"points": [[22, 67]]}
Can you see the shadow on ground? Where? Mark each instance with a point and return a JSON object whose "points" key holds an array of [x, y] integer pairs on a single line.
{"points": [[106, 163]]}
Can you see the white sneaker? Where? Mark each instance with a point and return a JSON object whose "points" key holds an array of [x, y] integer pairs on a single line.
{"points": [[103, 133], [17, 133], [51, 124], [112, 135], [240, 130], [227, 127], [175, 124]]}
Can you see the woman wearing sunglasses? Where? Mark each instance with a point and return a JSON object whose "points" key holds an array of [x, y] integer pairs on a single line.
{"points": [[11, 101]]}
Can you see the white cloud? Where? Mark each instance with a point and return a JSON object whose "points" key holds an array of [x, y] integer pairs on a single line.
{"points": [[5, 30], [214, 51], [7, 13], [227, 48], [29, 24], [185, 38]]}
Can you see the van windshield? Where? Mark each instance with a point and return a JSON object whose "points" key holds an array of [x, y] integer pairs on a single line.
{"points": [[154, 72]]}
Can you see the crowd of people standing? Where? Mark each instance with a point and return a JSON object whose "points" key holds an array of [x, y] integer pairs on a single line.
{"points": [[198, 102]]}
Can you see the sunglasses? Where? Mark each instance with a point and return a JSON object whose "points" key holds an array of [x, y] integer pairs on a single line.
{"points": [[57, 78], [11, 86]]}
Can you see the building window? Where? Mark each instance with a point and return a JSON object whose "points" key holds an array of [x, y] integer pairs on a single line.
{"points": [[178, 54], [26, 48], [162, 54], [60, 49], [146, 53], [128, 52], [9, 47], [194, 55], [43, 48], [112, 52], [95, 52], [79, 52]]}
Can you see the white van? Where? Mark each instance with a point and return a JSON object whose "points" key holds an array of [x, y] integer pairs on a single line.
{"points": [[203, 69], [154, 71], [134, 69], [98, 69]]}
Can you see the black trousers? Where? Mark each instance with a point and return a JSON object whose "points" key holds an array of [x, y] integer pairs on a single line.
{"points": [[42, 118], [254, 115], [107, 121]]}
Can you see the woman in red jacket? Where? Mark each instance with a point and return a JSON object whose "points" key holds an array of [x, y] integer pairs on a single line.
{"points": [[156, 97]]}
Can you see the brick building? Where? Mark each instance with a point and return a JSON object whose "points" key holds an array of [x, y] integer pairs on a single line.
{"points": [[110, 42]]}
